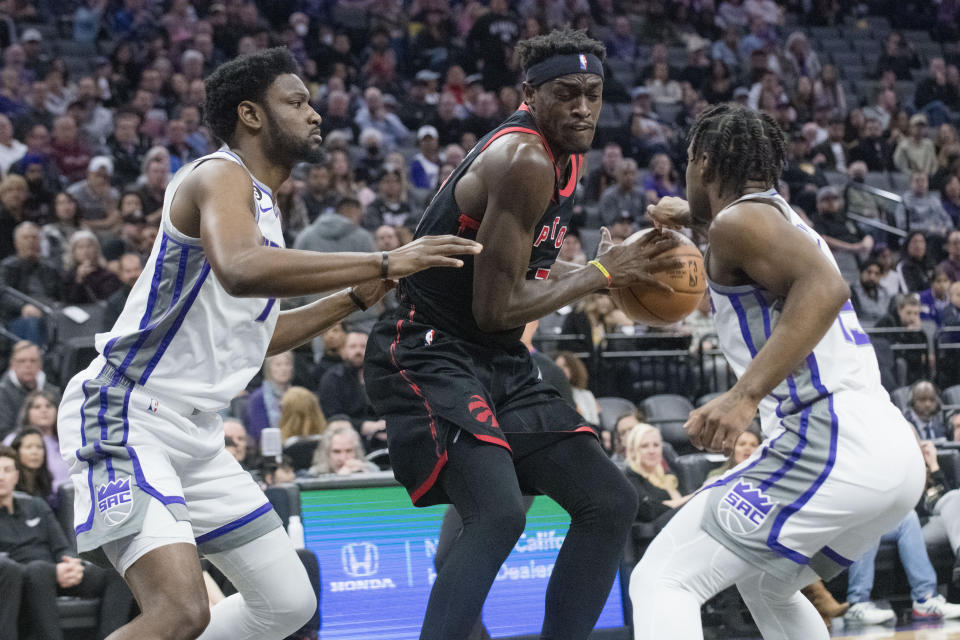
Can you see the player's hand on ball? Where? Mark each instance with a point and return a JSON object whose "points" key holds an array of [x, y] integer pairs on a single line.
{"points": [[635, 263], [429, 251], [716, 425], [670, 212]]}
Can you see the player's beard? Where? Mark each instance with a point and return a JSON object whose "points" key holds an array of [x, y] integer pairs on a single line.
{"points": [[286, 149]]}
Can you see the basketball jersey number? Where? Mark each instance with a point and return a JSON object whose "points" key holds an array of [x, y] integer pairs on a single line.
{"points": [[850, 326]]}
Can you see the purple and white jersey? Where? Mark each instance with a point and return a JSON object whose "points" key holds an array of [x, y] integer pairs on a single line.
{"points": [[181, 335], [746, 315]]}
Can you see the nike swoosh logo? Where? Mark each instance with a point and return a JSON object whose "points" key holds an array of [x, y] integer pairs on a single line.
{"points": [[264, 210], [32, 522]]}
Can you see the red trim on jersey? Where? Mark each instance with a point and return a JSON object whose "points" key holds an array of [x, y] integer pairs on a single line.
{"points": [[466, 222], [413, 386], [431, 479], [585, 430], [492, 440], [575, 162], [542, 274]]}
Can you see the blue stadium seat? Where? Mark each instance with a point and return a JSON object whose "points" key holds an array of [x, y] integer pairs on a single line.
{"points": [[901, 397], [300, 449], [669, 412]]}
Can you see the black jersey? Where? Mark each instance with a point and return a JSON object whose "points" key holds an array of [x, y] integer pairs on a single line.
{"points": [[445, 296]]}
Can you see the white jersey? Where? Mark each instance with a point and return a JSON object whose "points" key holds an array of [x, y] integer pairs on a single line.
{"points": [[181, 335], [745, 316]]}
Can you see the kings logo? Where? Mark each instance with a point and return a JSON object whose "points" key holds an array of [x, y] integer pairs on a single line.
{"points": [[115, 501], [744, 509]]}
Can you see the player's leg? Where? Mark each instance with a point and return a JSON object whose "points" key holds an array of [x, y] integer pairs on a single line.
{"points": [[602, 505], [480, 480], [274, 596], [684, 567], [168, 586]]}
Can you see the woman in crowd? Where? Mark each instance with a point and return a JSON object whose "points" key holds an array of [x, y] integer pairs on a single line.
{"points": [[56, 235], [87, 278], [13, 211], [663, 89], [35, 476], [950, 199], [828, 90], [746, 443], [263, 409], [803, 99], [594, 317], [916, 267], [39, 411], [646, 470], [576, 372], [718, 87], [340, 452], [662, 181], [300, 414]]}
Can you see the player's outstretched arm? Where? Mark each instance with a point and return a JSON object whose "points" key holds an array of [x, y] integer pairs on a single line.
{"points": [[215, 204], [519, 180], [750, 239]]}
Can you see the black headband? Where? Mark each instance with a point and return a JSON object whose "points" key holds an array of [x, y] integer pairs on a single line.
{"points": [[563, 65]]}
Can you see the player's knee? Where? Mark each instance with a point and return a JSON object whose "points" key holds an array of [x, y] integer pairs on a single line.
{"points": [[505, 525], [186, 622], [302, 606]]}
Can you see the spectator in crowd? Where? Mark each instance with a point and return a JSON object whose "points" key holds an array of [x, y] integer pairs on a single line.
{"points": [[484, 116], [924, 412], [293, 217], [342, 392], [848, 244], [490, 38], [858, 200], [916, 153], [872, 148], [340, 452], [449, 120], [803, 177], [718, 86], [829, 91], [572, 249], [602, 176], [338, 230], [927, 603], [950, 198], [94, 120], [239, 445], [935, 89], [663, 89], [327, 349], [39, 411], [87, 279], [622, 427], [55, 235], [576, 373], [391, 207], [13, 211], [951, 264], [426, 163], [594, 316], [300, 414], [883, 110], [624, 198], [746, 443], [70, 153], [274, 473], [35, 477], [951, 314], [833, 150], [126, 148], [152, 183], [898, 56], [97, 198], [11, 149], [647, 471], [662, 180], [916, 267], [129, 268], [263, 409], [934, 301], [25, 273], [319, 195], [35, 550], [621, 44], [374, 114], [343, 178], [368, 165], [906, 316], [870, 300], [889, 274]]}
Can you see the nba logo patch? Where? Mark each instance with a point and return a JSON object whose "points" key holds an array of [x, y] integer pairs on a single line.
{"points": [[115, 501], [583, 62], [428, 338], [154, 405], [743, 509]]}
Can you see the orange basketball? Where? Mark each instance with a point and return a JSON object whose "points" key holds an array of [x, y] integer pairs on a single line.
{"points": [[647, 305]]}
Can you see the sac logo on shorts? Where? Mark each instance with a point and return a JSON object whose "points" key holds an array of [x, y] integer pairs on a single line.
{"points": [[115, 501], [743, 509]]}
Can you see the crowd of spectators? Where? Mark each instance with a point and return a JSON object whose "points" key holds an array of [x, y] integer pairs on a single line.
{"points": [[101, 102]]}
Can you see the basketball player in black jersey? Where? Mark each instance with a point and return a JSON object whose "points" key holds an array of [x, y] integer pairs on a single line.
{"points": [[468, 420]]}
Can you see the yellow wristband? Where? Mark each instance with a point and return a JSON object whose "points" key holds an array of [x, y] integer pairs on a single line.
{"points": [[603, 270]]}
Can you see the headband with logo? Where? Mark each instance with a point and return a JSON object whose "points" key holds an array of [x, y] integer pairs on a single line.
{"points": [[563, 65]]}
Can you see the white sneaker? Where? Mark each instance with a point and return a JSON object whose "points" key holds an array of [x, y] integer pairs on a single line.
{"points": [[868, 613], [936, 607]]}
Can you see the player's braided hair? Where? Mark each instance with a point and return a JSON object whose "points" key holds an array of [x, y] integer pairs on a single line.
{"points": [[557, 42], [741, 145], [245, 78]]}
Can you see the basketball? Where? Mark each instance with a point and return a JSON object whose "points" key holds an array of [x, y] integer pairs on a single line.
{"points": [[647, 305]]}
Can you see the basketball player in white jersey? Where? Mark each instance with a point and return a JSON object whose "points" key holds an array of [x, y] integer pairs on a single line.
{"points": [[839, 465], [139, 426]]}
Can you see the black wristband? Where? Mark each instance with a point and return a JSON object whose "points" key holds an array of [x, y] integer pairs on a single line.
{"points": [[356, 300], [384, 264]]}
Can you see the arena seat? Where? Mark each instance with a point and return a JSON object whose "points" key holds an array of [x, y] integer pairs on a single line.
{"points": [[285, 499], [668, 412], [951, 395], [707, 397], [692, 470], [300, 449], [612, 408], [901, 397], [74, 613]]}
